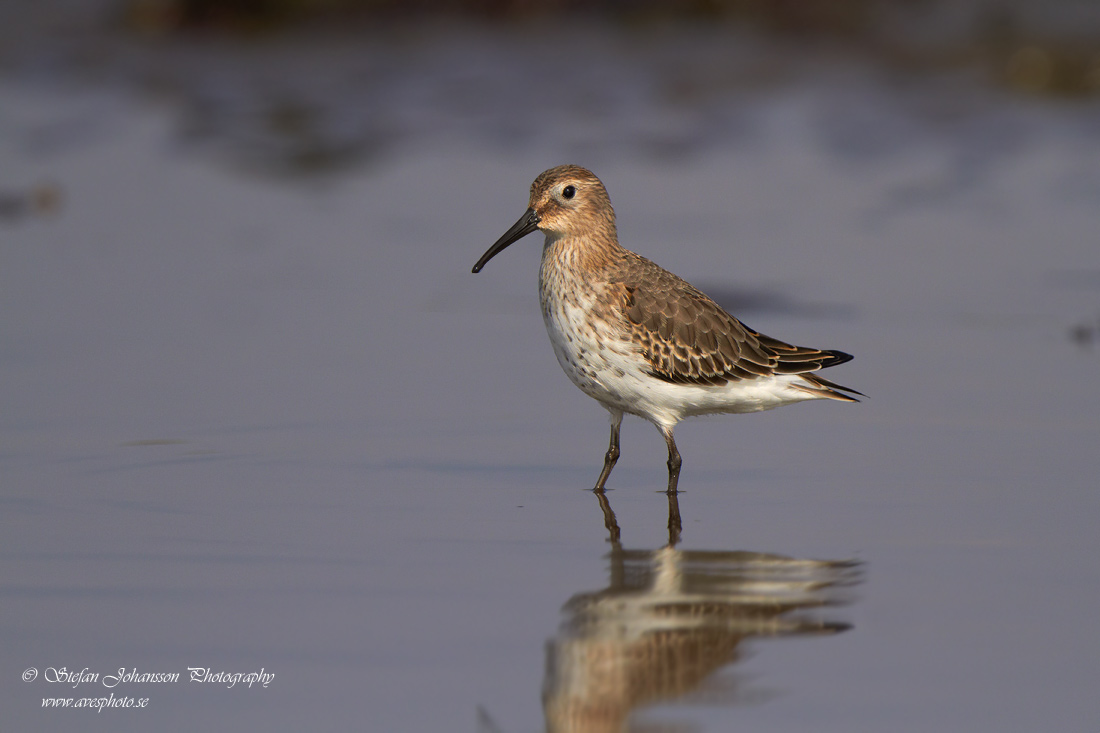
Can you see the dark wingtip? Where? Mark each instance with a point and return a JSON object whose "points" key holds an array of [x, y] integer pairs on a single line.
{"points": [[836, 357], [839, 357]]}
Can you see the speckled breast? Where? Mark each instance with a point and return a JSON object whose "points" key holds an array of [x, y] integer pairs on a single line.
{"points": [[585, 338]]}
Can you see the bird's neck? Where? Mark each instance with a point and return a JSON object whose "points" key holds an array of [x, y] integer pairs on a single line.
{"points": [[581, 256]]}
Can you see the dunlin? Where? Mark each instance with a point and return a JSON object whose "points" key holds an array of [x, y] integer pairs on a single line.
{"points": [[640, 340]]}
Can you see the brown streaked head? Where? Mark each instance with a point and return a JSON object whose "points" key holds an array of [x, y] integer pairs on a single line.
{"points": [[565, 201]]}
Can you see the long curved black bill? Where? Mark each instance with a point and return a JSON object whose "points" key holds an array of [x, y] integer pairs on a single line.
{"points": [[527, 223]]}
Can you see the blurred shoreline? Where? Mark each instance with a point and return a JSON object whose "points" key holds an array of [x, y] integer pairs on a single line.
{"points": [[1045, 48], [322, 87]]}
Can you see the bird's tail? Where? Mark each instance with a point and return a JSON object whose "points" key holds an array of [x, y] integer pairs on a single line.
{"points": [[821, 387]]}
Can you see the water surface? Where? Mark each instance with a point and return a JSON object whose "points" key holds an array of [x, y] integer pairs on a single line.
{"points": [[262, 423]]}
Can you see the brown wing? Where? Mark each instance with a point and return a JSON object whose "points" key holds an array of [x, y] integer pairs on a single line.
{"points": [[688, 339]]}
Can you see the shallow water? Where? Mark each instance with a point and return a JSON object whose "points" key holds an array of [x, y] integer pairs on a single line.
{"points": [[260, 423]]}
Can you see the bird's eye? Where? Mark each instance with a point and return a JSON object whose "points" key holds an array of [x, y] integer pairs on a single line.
{"points": [[569, 192]]}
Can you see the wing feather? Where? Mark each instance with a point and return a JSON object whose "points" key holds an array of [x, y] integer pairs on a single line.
{"points": [[687, 338]]}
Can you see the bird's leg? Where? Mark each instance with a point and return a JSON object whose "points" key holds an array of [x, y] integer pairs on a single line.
{"points": [[612, 454], [674, 524], [673, 460]]}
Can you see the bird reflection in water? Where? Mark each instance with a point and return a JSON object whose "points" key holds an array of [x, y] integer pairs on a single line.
{"points": [[669, 618]]}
